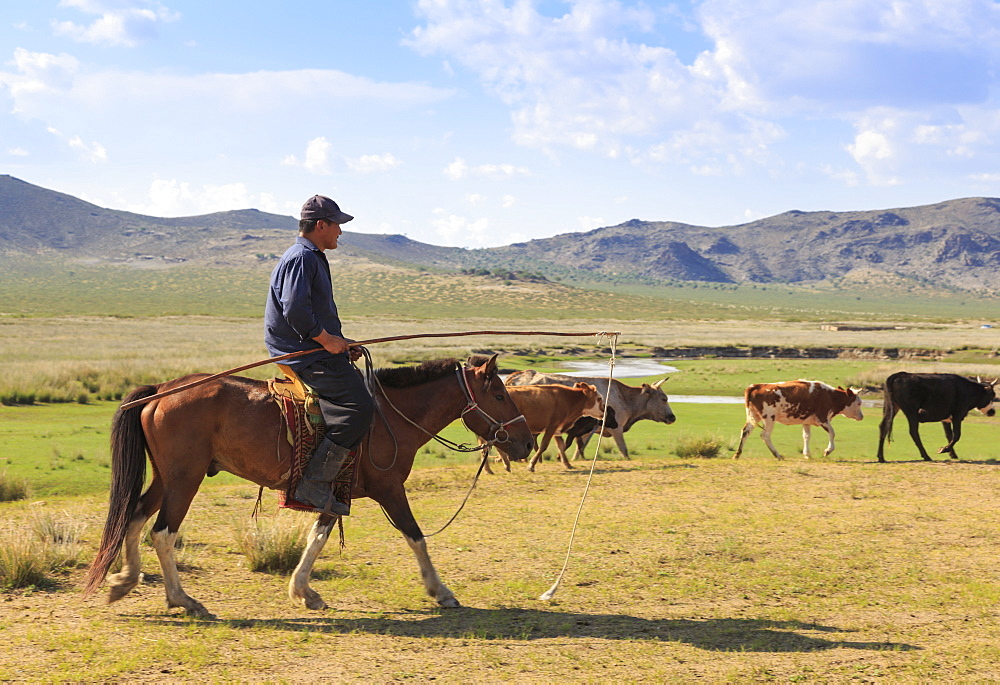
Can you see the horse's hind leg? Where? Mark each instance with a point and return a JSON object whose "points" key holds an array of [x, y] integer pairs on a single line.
{"points": [[123, 582], [298, 584], [176, 502]]}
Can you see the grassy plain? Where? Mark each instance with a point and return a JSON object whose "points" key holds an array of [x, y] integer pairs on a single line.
{"points": [[723, 571], [829, 570]]}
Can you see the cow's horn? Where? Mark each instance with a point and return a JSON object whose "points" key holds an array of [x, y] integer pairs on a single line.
{"points": [[657, 384]]}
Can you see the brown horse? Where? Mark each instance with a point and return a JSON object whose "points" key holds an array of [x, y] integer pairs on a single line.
{"points": [[233, 425]]}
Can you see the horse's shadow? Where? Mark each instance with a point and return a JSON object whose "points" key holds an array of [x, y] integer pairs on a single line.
{"points": [[720, 634]]}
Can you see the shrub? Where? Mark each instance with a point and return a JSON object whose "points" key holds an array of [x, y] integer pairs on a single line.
{"points": [[698, 447], [12, 488], [61, 537], [271, 547], [29, 555], [23, 561]]}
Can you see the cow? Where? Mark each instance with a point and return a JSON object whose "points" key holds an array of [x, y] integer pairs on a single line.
{"points": [[809, 403], [585, 426], [929, 397], [631, 404], [549, 410]]}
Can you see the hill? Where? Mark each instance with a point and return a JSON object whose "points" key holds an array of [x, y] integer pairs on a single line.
{"points": [[949, 245]]}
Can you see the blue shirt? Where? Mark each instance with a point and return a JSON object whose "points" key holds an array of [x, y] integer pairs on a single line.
{"points": [[300, 304]]}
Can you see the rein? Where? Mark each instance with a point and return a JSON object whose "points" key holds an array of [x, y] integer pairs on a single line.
{"points": [[495, 427]]}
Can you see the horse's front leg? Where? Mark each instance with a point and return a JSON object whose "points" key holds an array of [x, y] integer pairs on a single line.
{"points": [[398, 508], [298, 584]]}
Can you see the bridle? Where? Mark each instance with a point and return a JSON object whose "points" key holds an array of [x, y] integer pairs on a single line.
{"points": [[497, 430]]}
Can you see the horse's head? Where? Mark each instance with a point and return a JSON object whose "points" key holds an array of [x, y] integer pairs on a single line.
{"points": [[492, 414]]}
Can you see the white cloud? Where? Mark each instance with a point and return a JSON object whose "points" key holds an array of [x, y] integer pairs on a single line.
{"points": [[17, 152], [93, 151], [459, 169], [459, 230], [508, 201], [120, 23], [170, 197], [370, 164], [589, 223], [56, 87], [316, 159], [601, 76]]}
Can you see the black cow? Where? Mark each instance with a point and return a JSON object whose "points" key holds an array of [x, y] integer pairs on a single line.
{"points": [[928, 397], [584, 427]]}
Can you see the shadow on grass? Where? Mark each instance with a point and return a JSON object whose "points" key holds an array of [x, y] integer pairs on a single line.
{"points": [[720, 635]]}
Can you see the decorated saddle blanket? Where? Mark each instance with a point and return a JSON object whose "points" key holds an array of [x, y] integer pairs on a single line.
{"points": [[305, 428]]}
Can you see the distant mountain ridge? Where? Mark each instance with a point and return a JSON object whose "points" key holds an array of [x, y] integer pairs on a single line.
{"points": [[953, 244]]}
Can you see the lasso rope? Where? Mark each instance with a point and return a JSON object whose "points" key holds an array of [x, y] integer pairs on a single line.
{"points": [[550, 593], [359, 343]]}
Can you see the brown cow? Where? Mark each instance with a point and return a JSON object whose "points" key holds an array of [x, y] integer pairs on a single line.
{"points": [[809, 403], [550, 410]]}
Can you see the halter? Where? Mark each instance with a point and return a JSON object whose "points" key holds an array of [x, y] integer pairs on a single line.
{"points": [[496, 427]]}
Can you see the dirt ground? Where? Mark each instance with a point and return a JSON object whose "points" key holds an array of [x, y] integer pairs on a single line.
{"points": [[714, 570]]}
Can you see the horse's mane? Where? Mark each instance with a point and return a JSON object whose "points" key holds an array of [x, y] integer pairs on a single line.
{"points": [[408, 376]]}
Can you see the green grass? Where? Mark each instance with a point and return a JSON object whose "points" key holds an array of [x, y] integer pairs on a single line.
{"points": [[63, 448]]}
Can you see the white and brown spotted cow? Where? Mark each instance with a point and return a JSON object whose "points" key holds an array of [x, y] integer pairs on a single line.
{"points": [[809, 403]]}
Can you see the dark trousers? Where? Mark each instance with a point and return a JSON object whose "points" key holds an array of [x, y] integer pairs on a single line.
{"points": [[344, 400]]}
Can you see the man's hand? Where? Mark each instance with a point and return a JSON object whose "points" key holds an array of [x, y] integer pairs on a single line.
{"points": [[334, 344]]}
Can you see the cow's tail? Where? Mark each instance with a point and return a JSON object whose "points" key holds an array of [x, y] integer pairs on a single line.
{"points": [[888, 407], [128, 472], [752, 415]]}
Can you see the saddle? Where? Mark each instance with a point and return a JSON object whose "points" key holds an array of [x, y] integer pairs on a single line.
{"points": [[304, 429]]}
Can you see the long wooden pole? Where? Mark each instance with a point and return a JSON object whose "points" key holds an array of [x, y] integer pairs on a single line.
{"points": [[359, 343]]}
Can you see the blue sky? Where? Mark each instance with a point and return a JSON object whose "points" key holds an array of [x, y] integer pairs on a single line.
{"points": [[485, 123]]}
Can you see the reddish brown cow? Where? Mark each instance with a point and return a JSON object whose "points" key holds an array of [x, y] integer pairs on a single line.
{"points": [[550, 410], [809, 403]]}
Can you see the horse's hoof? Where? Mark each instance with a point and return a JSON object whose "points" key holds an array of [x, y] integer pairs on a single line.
{"points": [[449, 602], [315, 603], [196, 610]]}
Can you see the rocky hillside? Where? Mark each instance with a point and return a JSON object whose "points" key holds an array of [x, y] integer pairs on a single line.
{"points": [[953, 244]]}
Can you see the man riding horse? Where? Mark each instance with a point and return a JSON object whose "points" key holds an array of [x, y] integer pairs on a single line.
{"points": [[301, 315]]}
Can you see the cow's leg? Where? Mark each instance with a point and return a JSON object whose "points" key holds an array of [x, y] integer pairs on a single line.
{"points": [[915, 434], [542, 446], [747, 430], [619, 435], [805, 439], [766, 437], [828, 427], [952, 431], [581, 445], [298, 584], [884, 430], [561, 446]]}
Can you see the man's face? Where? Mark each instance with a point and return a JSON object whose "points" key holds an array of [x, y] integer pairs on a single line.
{"points": [[328, 232]]}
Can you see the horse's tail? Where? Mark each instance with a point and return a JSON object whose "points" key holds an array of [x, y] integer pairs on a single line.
{"points": [[128, 473], [888, 408]]}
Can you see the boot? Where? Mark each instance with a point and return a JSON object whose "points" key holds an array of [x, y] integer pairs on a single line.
{"points": [[316, 487]]}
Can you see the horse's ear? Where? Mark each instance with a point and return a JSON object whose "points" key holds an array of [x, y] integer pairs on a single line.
{"points": [[490, 367]]}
